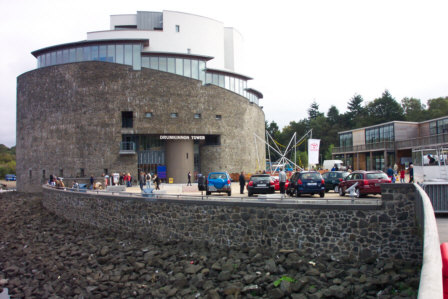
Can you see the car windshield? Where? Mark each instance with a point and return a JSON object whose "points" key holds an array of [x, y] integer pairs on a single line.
{"points": [[259, 178], [311, 176], [218, 176], [377, 176]]}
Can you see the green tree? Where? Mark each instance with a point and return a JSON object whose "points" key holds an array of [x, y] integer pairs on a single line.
{"points": [[384, 109], [413, 109], [437, 107], [313, 111], [333, 115]]}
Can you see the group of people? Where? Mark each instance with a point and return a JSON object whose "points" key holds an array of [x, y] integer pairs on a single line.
{"points": [[56, 181], [396, 171], [146, 179]]}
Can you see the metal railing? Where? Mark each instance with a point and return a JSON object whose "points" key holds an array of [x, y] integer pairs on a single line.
{"points": [[127, 147], [395, 145]]}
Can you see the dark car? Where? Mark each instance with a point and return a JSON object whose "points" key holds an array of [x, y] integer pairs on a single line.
{"points": [[260, 184], [218, 182], [333, 178], [369, 182], [306, 182]]}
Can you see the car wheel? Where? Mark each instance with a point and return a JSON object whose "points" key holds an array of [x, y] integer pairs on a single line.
{"points": [[250, 194], [341, 191], [336, 189], [229, 193], [326, 190], [207, 193], [322, 194], [296, 193]]}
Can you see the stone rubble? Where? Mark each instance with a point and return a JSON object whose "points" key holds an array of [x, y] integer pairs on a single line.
{"points": [[44, 256]]}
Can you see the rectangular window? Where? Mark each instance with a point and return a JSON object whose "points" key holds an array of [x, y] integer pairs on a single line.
{"points": [[59, 57], [106, 171], [187, 68], [81, 172], [65, 56], [202, 71], [208, 78], [126, 119], [110, 53], [177, 28], [171, 64], [179, 66], [154, 63], [148, 114], [94, 51], [61, 172], [174, 115], [120, 53], [162, 64], [47, 59], [53, 58], [218, 116], [197, 115], [213, 140], [72, 55], [128, 54], [136, 57], [215, 79], [79, 54], [86, 54], [145, 61], [103, 53], [221, 80], [195, 69], [43, 173]]}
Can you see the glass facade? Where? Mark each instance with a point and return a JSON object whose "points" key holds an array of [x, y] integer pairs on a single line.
{"points": [[345, 139], [380, 134], [131, 54], [438, 127]]}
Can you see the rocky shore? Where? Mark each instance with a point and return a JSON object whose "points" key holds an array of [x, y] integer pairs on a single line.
{"points": [[44, 256]]}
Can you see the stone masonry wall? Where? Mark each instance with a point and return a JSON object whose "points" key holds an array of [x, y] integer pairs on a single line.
{"points": [[69, 117], [389, 231]]}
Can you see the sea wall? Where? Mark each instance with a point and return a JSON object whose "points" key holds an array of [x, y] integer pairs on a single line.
{"points": [[348, 231]]}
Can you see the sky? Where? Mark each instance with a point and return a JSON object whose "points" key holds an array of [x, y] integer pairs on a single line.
{"points": [[297, 51]]}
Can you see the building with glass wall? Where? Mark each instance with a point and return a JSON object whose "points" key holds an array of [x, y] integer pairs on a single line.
{"points": [[158, 90], [376, 147]]}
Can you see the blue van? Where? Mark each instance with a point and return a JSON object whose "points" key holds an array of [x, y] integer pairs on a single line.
{"points": [[10, 177]]}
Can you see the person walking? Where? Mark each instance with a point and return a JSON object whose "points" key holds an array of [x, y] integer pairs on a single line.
{"points": [[282, 180], [390, 174], [142, 180], [189, 179], [148, 180], [157, 181], [242, 180], [411, 173], [92, 181]]}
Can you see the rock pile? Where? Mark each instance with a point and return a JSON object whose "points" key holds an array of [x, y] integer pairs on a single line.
{"points": [[43, 256]]}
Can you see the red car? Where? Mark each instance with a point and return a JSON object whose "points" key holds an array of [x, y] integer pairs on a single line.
{"points": [[277, 183], [369, 182]]}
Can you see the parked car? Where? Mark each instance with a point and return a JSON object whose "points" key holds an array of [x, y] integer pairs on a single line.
{"points": [[333, 178], [218, 182], [369, 182], [260, 184], [10, 177], [306, 182], [277, 183]]}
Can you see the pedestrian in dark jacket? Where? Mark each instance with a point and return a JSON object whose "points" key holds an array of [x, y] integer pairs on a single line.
{"points": [[242, 182]]}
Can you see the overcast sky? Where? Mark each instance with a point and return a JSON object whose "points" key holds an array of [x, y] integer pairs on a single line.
{"points": [[296, 51]]}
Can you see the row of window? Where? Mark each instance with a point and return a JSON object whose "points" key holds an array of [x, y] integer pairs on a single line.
{"points": [[380, 134], [438, 127], [127, 117], [129, 54]]}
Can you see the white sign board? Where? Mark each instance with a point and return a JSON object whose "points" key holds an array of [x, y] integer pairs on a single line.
{"points": [[313, 151]]}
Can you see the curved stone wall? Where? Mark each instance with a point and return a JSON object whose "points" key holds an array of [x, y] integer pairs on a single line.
{"points": [[360, 232], [69, 118]]}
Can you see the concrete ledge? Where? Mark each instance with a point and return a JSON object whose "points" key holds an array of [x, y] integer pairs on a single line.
{"points": [[431, 283], [120, 188]]}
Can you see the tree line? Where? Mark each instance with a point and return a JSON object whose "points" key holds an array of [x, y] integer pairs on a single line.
{"points": [[7, 160], [359, 114]]}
